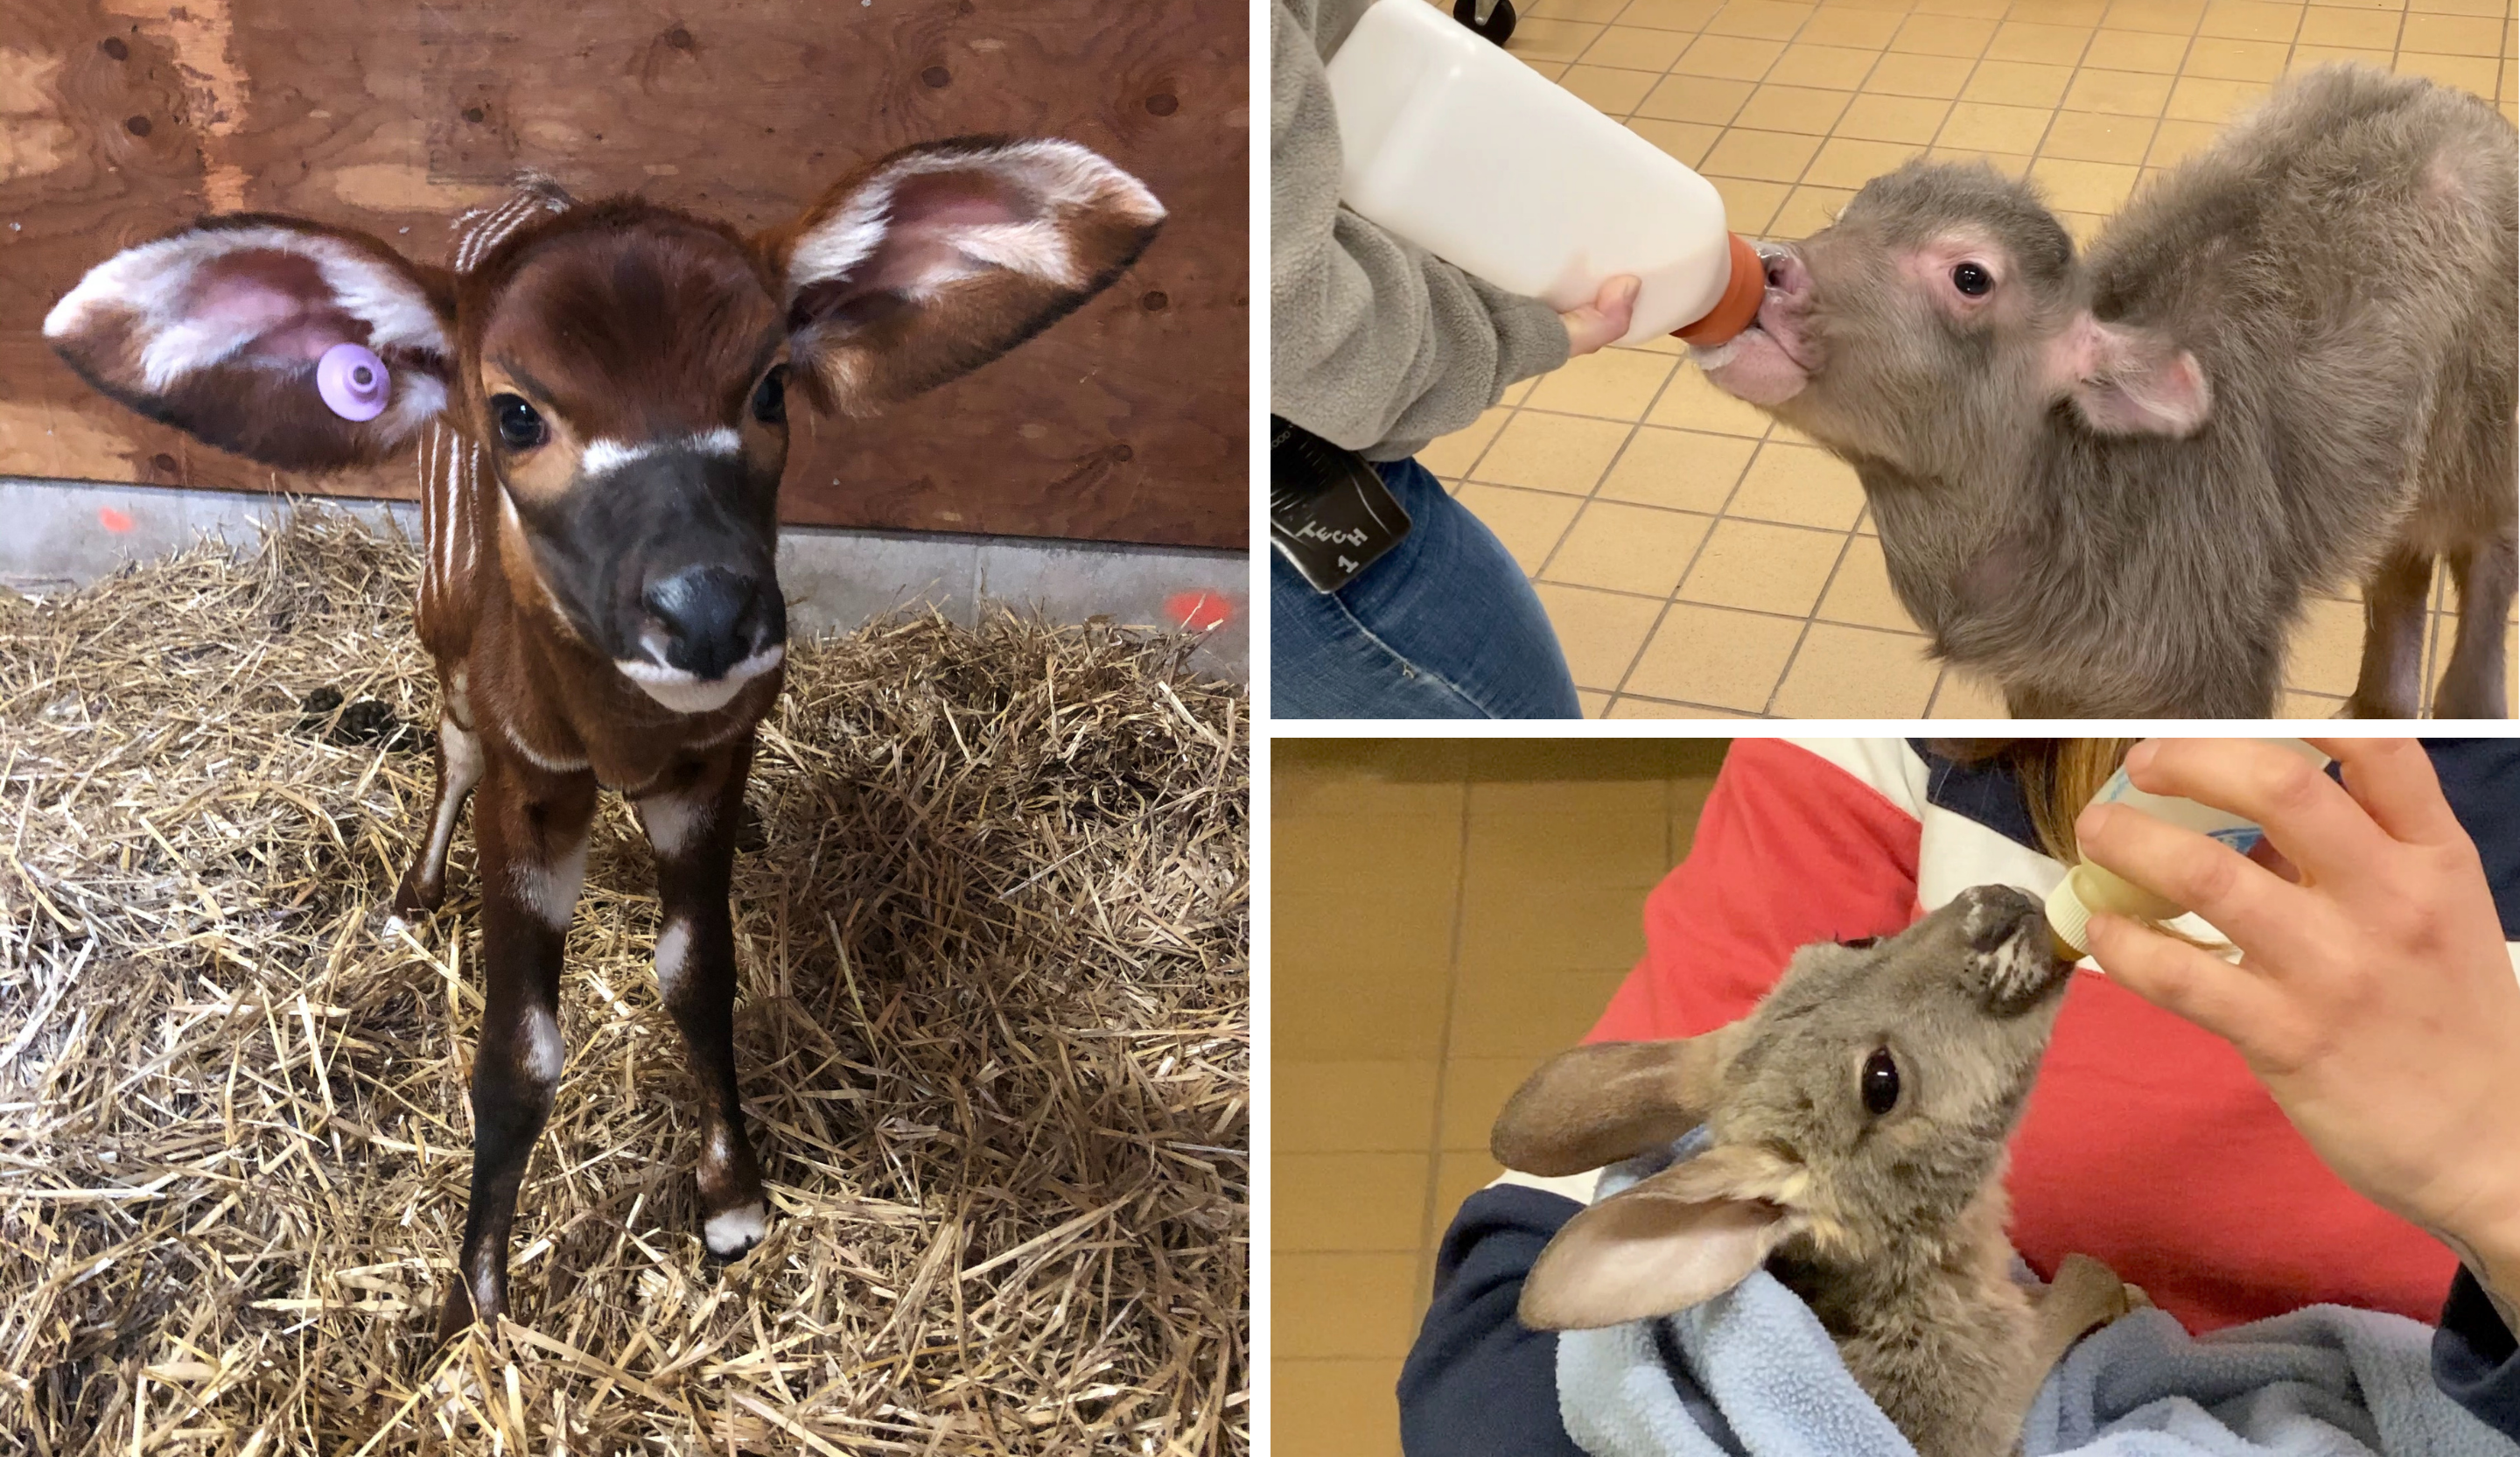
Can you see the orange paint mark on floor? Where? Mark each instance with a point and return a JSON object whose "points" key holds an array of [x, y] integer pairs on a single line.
{"points": [[1198, 611]]}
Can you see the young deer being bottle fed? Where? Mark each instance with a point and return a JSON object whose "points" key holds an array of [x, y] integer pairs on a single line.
{"points": [[1856, 1122], [2108, 481], [597, 398]]}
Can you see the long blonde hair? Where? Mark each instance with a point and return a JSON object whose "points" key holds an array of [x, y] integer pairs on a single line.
{"points": [[2058, 777]]}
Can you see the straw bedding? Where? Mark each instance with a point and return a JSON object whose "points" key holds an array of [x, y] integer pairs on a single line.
{"points": [[993, 1026]]}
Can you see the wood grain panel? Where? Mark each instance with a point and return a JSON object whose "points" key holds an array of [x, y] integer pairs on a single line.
{"points": [[122, 118]]}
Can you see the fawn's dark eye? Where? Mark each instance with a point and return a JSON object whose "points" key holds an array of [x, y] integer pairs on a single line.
{"points": [[1862, 943], [519, 428], [1880, 1082], [770, 399], [1972, 279]]}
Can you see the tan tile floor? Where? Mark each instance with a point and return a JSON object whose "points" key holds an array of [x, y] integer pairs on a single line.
{"points": [[1444, 915], [1699, 561]]}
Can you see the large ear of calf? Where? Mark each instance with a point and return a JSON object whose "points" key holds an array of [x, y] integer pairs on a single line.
{"points": [[217, 331], [1680, 1238], [2130, 381], [940, 257], [1608, 1100]]}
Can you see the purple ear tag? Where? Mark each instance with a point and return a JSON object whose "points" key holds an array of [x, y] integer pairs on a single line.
{"points": [[353, 382]]}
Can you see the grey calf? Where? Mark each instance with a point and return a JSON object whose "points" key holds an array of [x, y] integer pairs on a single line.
{"points": [[2108, 483]]}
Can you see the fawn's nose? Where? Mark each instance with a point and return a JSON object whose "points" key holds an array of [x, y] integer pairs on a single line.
{"points": [[713, 617], [1995, 914]]}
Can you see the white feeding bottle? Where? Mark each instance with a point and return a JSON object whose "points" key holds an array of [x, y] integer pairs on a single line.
{"points": [[1459, 147], [2089, 888]]}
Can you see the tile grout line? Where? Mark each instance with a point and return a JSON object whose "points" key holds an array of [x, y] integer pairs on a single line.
{"points": [[1793, 655], [1592, 492], [1672, 599], [1429, 1233]]}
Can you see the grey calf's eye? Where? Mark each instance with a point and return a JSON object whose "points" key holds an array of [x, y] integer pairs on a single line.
{"points": [[519, 428], [1880, 1082], [1972, 279]]}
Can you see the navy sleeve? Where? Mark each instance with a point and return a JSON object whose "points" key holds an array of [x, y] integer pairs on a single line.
{"points": [[2474, 1359], [1477, 1381]]}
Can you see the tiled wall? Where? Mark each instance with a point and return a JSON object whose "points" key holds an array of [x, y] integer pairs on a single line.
{"points": [[1444, 915]]}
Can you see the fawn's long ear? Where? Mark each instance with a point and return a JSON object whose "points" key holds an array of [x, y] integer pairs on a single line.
{"points": [[942, 256], [1604, 1102], [1682, 1237], [216, 329]]}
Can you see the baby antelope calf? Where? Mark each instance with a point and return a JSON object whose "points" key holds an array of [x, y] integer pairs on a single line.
{"points": [[598, 396]]}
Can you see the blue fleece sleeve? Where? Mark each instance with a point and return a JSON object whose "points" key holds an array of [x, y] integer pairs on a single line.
{"points": [[2474, 1357]]}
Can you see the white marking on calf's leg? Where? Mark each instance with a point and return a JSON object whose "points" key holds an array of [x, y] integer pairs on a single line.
{"points": [[675, 822], [542, 1054], [462, 753], [673, 949], [550, 891]]}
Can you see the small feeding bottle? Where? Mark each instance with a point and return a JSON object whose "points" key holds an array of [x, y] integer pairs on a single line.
{"points": [[1461, 149], [2089, 889]]}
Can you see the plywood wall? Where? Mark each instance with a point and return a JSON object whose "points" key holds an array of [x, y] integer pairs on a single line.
{"points": [[122, 118]]}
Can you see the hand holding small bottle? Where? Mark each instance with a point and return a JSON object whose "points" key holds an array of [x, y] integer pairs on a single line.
{"points": [[2375, 997]]}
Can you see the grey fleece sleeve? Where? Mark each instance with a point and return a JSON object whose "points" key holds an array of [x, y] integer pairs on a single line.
{"points": [[1374, 345]]}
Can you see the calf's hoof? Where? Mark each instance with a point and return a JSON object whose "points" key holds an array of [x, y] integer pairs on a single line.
{"points": [[731, 1233], [415, 898], [455, 1316]]}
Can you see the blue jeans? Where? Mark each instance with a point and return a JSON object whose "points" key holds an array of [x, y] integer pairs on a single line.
{"points": [[1443, 626]]}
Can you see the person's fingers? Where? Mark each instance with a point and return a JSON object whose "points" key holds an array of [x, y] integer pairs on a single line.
{"points": [[2265, 854], [2186, 981], [2320, 827], [2247, 902], [1617, 300], [1606, 320], [2393, 780]]}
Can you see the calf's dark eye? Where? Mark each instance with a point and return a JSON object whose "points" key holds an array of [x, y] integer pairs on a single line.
{"points": [[1880, 1082], [1972, 279], [1861, 942], [519, 428], [770, 400]]}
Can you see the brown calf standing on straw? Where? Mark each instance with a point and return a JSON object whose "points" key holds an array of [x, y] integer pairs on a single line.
{"points": [[597, 396]]}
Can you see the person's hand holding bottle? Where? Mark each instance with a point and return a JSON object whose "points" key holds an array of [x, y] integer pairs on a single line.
{"points": [[1606, 320], [2374, 996]]}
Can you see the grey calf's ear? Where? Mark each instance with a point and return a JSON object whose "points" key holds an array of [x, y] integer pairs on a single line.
{"points": [[940, 257], [1598, 1104], [216, 329], [1676, 1240], [2129, 380]]}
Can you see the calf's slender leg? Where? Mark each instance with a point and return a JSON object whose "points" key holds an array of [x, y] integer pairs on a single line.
{"points": [[458, 769], [693, 826], [2472, 684], [530, 828], [2392, 681]]}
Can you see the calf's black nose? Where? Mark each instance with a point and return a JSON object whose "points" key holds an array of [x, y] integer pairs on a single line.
{"points": [[713, 618], [1995, 913]]}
